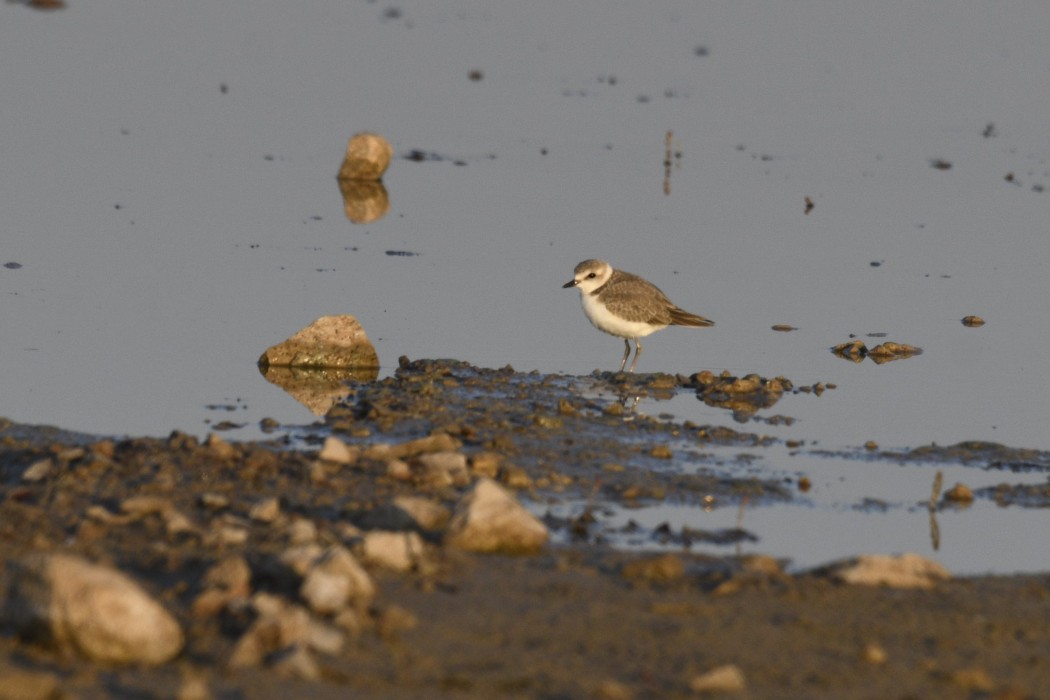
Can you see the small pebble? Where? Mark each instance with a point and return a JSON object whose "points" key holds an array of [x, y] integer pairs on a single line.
{"points": [[960, 493], [874, 654], [723, 679], [265, 510], [38, 470]]}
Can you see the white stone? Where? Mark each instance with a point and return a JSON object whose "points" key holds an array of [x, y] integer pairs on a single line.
{"points": [[336, 581], [37, 471], [723, 679], [489, 519], [92, 610], [397, 551], [903, 571], [335, 450]]}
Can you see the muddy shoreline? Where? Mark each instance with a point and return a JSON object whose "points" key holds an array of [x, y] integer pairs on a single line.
{"points": [[578, 619]]}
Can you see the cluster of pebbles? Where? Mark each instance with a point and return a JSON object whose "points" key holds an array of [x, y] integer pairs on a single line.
{"points": [[280, 546]]}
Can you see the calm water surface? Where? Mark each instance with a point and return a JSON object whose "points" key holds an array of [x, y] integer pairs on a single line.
{"points": [[168, 191]]}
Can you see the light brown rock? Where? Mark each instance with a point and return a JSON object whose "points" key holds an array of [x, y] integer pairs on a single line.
{"points": [[367, 157], [441, 442], [265, 510], [38, 470], [427, 514], [335, 581], [335, 450], [295, 661], [489, 519], [219, 447], [92, 610], [486, 464], [302, 531], [960, 493], [226, 581], [397, 551], [337, 342], [280, 625], [723, 679], [442, 469]]}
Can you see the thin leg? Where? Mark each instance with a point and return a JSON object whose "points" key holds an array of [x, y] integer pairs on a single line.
{"points": [[637, 352], [626, 352]]}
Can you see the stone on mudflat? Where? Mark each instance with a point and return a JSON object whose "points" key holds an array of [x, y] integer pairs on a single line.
{"points": [[335, 450], [39, 470], [265, 510], [295, 661], [302, 531], [486, 464], [367, 157], [301, 557], [280, 625], [904, 571], [442, 469], [89, 609], [335, 581], [427, 514], [219, 447], [226, 581], [723, 679], [397, 551], [441, 442], [489, 519], [329, 342]]}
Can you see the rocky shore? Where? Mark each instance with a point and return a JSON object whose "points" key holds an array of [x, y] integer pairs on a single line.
{"points": [[404, 550]]}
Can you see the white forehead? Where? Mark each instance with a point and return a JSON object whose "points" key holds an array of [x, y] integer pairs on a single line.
{"points": [[589, 266]]}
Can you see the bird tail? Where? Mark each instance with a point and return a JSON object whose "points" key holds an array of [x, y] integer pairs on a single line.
{"points": [[684, 318]]}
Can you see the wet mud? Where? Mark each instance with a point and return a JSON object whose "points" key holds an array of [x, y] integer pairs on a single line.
{"points": [[580, 619]]}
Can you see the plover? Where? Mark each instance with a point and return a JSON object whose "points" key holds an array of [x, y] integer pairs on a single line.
{"points": [[626, 305]]}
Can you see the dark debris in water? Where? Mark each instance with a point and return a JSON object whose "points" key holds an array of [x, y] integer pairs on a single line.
{"points": [[1021, 495], [992, 454], [856, 351]]}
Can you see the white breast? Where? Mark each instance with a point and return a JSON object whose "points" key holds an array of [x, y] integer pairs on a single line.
{"points": [[603, 320]]}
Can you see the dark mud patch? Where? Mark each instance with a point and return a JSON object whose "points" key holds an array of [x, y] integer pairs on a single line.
{"points": [[557, 430], [1022, 495]]}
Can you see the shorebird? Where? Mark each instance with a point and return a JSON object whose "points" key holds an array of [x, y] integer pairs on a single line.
{"points": [[626, 305]]}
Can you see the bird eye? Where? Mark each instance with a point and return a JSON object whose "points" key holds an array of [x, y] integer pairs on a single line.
{"points": [[591, 276]]}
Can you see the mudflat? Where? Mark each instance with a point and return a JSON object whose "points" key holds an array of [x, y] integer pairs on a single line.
{"points": [[575, 618]]}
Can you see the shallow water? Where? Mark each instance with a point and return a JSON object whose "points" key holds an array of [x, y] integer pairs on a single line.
{"points": [[169, 193], [856, 504]]}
